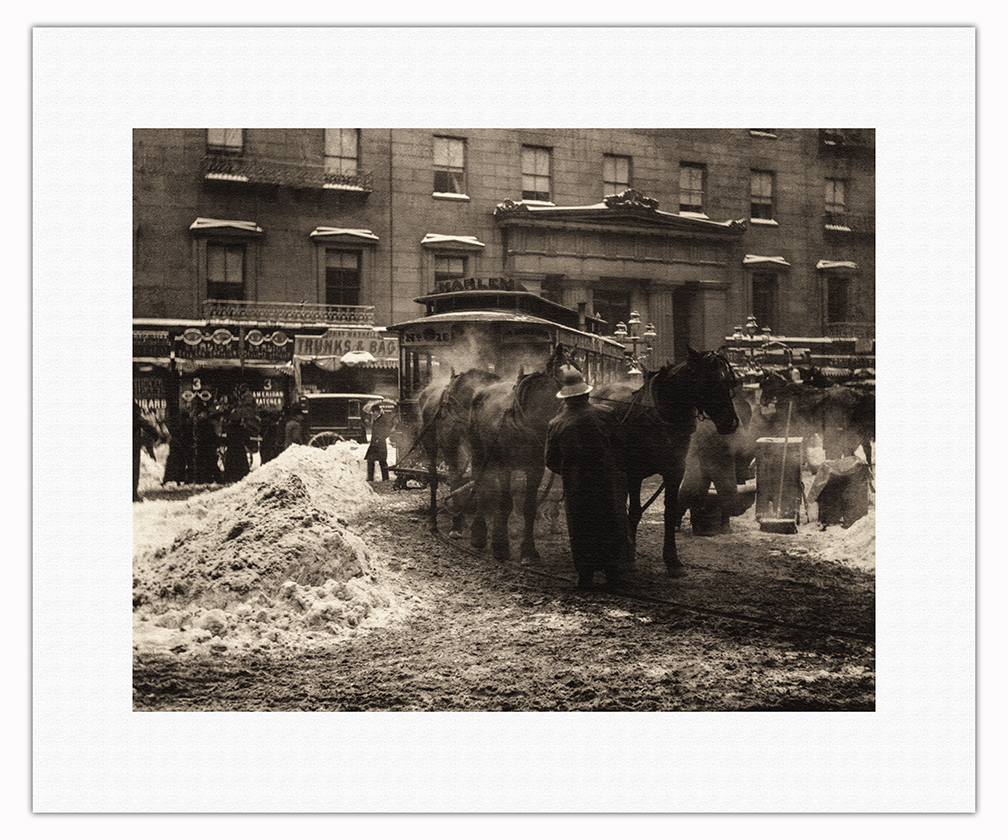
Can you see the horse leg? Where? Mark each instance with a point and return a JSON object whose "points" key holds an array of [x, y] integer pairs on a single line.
{"points": [[635, 512], [533, 478], [432, 481], [500, 543], [673, 565], [458, 496], [723, 476]]}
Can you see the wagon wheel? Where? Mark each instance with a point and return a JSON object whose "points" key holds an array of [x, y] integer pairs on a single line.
{"points": [[324, 439]]}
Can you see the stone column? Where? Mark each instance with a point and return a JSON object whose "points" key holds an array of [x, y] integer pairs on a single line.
{"points": [[714, 304], [659, 309]]}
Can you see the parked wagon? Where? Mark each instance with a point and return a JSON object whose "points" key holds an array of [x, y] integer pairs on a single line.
{"points": [[329, 418]]}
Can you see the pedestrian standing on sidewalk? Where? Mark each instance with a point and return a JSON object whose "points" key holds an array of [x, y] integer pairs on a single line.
{"points": [[382, 427]]}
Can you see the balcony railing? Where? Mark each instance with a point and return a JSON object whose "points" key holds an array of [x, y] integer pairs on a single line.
{"points": [[263, 312], [260, 171], [849, 223]]}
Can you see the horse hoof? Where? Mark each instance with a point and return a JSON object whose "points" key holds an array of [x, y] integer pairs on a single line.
{"points": [[453, 534], [501, 553], [531, 556], [676, 571]]}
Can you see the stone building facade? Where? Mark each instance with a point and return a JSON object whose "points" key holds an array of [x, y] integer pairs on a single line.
{"points": [[694, 229]]}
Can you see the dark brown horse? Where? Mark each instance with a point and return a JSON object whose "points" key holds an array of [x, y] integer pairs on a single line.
{"points": [[444, 421], [654, 424], [507, 434]]}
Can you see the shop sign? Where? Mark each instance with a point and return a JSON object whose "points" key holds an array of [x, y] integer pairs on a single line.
{"points": [[337, 342], [151, 343]]}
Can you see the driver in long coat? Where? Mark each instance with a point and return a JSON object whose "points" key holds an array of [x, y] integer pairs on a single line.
{"points": [[579, 447]]}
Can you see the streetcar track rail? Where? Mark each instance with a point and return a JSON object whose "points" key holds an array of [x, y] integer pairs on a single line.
{"points": [[622, 593]]}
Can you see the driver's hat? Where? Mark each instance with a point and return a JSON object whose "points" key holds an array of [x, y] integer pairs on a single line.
{"points": [[573, 383]]}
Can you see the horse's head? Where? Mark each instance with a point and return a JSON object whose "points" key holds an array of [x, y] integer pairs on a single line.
{"points": [[535, 397], [709, 385]]}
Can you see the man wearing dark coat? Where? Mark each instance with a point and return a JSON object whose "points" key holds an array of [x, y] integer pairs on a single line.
{"points": [[206, 467], [579, 447], [382, 427], [179, 463], [237, 460]]}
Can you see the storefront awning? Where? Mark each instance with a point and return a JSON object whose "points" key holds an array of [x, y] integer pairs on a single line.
{"points": [[356, 359]]}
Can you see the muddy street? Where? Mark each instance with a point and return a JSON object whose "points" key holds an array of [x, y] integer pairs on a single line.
{"points": [[760, 622]]}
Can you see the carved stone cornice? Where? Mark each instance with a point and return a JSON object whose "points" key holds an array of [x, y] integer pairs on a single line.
{"points": [[630, 198]]}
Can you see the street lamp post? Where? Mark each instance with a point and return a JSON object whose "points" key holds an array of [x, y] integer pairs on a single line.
{"points": [[629, 335]]}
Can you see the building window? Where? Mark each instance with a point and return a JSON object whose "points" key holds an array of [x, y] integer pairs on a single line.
{"points": [[691, 187], [225, 271], [449, 267], [761, 201], [229, 140], [342, 277], [764, 298], [613, 306], [449, 165], [342, 149], [838, 299], [835, 201], [535, 173], [615, 174]]}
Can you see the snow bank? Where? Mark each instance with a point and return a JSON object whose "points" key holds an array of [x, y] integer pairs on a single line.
{"points": [[265, 563], [853, 546]]}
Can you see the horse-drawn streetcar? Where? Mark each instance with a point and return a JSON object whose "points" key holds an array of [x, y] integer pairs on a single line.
{"points": [[493, 325], [479, 381]]}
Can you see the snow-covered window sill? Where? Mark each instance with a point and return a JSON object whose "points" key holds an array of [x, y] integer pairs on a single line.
{"points": [[766, 222], [689, 214], [450, 196], [755, 132]]}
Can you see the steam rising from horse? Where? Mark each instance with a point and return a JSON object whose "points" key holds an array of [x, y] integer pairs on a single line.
{"points": [[508, 428], [444, 421]]}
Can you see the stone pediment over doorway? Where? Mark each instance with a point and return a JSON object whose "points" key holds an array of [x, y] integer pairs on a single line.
{"points": [[628, 209]]}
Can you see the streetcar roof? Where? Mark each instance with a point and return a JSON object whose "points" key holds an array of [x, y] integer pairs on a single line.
{"points": [[492, 317]]}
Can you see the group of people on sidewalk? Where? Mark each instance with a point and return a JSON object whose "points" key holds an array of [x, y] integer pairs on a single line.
{"points": [[196, 434]]}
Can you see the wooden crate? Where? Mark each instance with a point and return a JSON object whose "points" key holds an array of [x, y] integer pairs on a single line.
{"points": [[771, 502]]}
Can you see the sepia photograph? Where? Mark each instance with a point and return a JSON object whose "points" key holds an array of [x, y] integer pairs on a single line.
{"points": [[504, 419], [496, 435]]}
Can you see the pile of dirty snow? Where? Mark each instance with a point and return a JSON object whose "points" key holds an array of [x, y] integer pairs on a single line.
{"points": [[853, 546], [266, 563]]}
